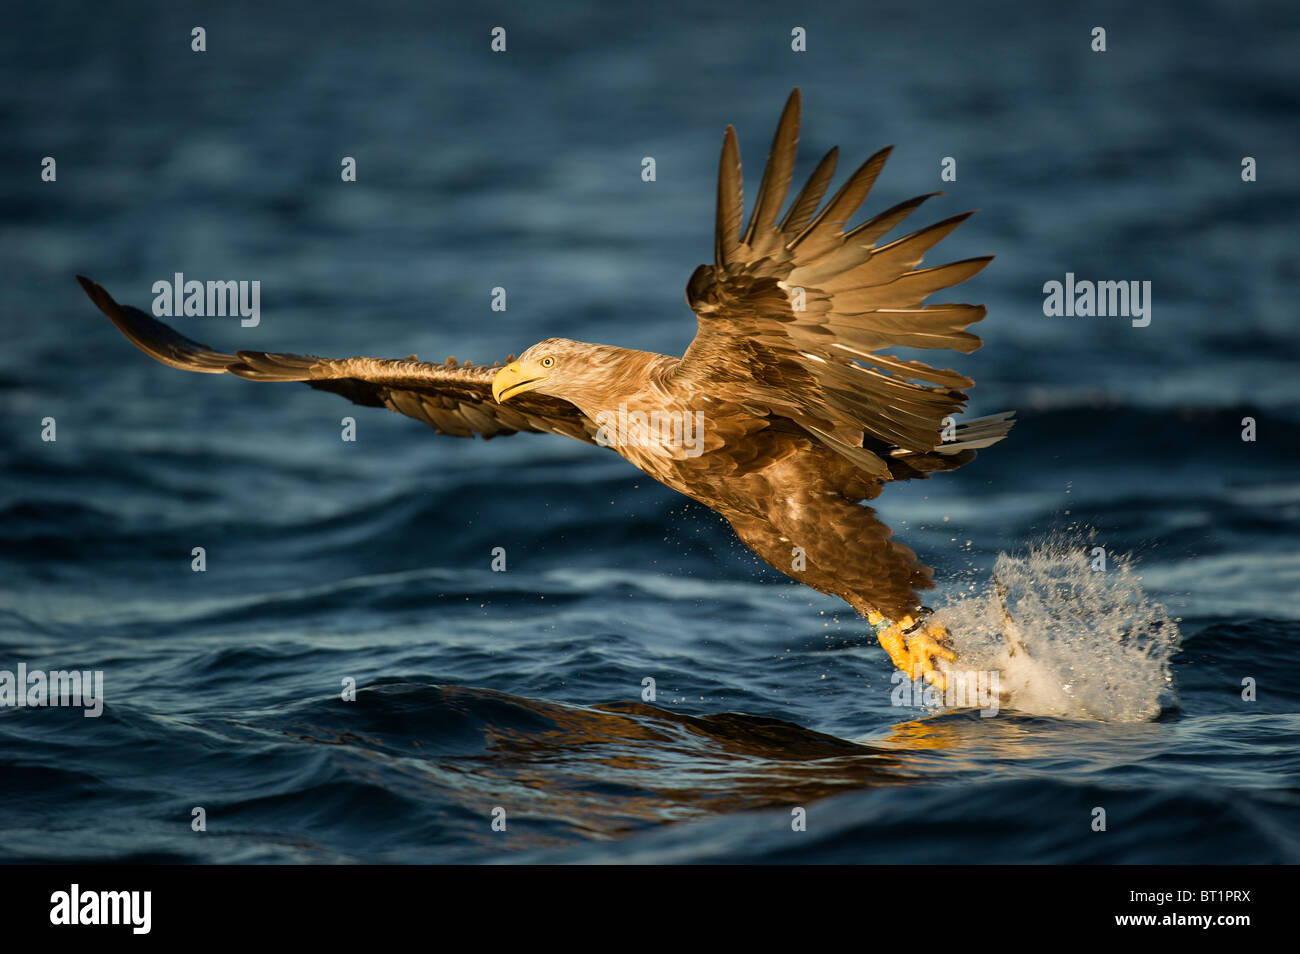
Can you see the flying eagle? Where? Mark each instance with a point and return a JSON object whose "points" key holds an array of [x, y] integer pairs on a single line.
{"points": [[784, 414]]}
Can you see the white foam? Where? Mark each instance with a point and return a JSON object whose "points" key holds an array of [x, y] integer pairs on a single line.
{"points": [[1077, 643]]}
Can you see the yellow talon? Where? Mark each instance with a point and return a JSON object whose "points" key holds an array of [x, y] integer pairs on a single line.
{"points": [[911, 654]]}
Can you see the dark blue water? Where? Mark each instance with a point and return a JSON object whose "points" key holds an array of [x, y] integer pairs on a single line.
{"points": [[522, 690]]}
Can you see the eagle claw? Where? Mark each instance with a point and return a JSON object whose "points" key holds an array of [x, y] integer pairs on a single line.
{"points": [[910, 646]]}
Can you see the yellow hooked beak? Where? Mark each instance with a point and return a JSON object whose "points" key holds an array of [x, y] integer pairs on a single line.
{"points": [[517, 378]]}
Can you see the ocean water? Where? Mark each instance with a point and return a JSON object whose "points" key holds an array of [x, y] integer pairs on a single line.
{"points": [[1162, 689]]}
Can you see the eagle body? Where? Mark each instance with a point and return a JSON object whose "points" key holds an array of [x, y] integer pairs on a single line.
{"points": [[790, 499], [784, 415]]}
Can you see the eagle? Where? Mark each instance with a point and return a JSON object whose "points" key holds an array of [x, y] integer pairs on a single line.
{"points": [[784, 415]]}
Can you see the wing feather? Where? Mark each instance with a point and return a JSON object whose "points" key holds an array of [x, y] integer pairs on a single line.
{"points": [[730, 200], [826, 231], [822, 361], [810, 196], [452, 398], [777, 174]]}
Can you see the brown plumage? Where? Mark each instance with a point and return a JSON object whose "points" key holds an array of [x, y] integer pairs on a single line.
{"points": [[783, 415]]}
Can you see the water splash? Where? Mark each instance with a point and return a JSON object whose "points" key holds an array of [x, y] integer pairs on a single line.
{"points": [[1069, 640]]}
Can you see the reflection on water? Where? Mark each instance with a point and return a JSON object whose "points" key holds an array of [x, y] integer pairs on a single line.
{"points": [[563, 772], [603, 770]]}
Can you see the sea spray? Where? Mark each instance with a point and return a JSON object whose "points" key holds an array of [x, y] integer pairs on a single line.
{"points": [[1073, 634]]}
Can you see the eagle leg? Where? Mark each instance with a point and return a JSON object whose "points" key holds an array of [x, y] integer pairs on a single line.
{"points": [[910, 643]]}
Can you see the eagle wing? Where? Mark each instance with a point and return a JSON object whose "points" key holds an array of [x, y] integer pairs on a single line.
{"points": [[451, 398], [794, 313]]}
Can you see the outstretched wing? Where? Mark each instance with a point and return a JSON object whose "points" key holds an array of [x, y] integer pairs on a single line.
{"points": [[795, 312], [451, 398]]}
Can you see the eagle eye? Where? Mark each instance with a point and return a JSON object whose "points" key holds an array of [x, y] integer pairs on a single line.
{"points": [[548, 362]]}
